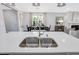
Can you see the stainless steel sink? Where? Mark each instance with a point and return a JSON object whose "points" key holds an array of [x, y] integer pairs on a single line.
{"points": [[30, 42], [47, 42], [38, 42]]}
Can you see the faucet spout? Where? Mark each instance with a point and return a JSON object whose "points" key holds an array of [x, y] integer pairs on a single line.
{"points": [[40, 29]]}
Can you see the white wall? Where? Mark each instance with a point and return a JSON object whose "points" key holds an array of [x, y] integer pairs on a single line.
{"points": [[50, 20], [2, 22], [2, 25], [26, 20]]}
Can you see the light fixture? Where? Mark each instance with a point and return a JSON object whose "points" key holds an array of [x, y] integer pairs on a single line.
{"points": [[61, 4], [36, 4]]}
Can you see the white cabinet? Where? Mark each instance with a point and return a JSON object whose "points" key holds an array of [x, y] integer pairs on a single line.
{"points": [[77, 34], [75, 16]]}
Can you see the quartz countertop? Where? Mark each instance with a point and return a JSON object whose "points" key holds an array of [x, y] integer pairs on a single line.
{"points": [[9, 43]]}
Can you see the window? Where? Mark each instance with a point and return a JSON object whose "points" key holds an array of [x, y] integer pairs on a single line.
{"points": [[36, 19]]}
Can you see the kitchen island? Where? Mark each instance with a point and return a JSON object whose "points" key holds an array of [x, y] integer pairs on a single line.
{"points": [[67, 44]]}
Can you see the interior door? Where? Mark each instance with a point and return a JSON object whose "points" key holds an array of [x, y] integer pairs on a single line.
{"points": [[11, 20]]}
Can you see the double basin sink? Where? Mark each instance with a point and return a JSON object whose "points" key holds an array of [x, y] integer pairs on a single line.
{"points": [[38, 42]]}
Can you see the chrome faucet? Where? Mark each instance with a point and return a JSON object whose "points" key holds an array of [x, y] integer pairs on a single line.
{"points": [[39, 30]]}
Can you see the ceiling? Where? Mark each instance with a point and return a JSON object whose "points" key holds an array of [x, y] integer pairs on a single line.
{"points": [[47, 7]]}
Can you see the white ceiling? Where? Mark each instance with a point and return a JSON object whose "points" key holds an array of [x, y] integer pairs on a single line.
{"points": [[47, 7]]}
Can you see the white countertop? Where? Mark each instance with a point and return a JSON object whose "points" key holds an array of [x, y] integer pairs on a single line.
{"points": [[9, 43]]}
